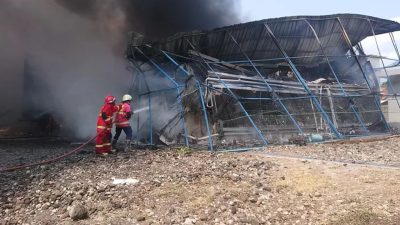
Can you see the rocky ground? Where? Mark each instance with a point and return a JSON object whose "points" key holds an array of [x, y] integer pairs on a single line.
{"points": [[178, 186], [376, 150]]}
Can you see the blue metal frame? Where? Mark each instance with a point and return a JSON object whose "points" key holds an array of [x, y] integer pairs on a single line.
{"points": [[150, 121], [350, 45], [210, 143], [161, 90], [383, 65], [395, 45], [137, 125], [233, 94], [269, 88], [309, 94], [303, 83], [177, 86], [358, 116]]}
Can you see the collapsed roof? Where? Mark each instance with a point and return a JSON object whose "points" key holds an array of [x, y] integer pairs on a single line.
{"points": [[302, 73], [293, 33]]}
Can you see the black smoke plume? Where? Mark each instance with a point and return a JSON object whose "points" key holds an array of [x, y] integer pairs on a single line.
{"points": [[63, 56], [159, 18]]}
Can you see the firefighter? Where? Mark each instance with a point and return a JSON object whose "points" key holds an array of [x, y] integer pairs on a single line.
{"points": [[123, 116], [104, 125]]}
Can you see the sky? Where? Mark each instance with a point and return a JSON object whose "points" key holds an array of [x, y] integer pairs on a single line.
{"points": [[263, 9]]}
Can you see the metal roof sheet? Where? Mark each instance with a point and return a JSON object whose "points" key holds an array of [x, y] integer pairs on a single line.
{"points": [[293, 33]]}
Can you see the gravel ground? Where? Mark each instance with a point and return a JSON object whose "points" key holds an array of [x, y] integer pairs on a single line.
{"points": [[178, 186], [16, 152], [385, 151]]}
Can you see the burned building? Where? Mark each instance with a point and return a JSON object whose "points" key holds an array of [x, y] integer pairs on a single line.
{"points": [[260, 82]]}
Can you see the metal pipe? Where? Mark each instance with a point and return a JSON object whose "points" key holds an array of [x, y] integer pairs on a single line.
{"points": [[177, 88], [161, 90], [182, 116], [137, 125], [210, 143], [350, 45], [357, 115], [150, 121], [295, 57], [275, 96], [394, 45], [383, 64], [304, 84], [215, 81], [233, 94]]}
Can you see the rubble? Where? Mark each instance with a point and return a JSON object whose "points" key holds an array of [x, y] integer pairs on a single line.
{"points": [[205, 188]]}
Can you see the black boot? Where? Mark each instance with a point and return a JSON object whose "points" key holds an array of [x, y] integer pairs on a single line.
{"points": [[127, 146], [114, 146]]}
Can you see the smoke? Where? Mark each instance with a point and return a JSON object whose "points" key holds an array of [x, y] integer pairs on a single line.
{"points": [[160, 18], [73, 51]]}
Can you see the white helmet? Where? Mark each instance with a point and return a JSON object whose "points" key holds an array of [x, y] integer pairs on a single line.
{"points": [[126, 98]]}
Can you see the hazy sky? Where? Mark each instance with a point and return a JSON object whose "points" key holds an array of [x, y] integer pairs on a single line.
{"points": [[263, 9]]}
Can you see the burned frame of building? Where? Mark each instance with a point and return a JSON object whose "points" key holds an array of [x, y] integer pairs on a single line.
{"points": [[268, 81]]}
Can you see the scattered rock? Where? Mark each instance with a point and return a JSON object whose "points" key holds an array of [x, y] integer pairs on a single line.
{"points": [[233, 209], [141, 218], [78, 212], [189, 221]]}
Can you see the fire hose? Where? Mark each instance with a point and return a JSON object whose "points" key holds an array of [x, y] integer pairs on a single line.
{"points": [[9, 169]]}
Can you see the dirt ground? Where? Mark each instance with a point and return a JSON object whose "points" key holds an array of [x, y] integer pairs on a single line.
{"points": [[355, 183]]}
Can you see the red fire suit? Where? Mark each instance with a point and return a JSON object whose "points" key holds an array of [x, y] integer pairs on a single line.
{"points": [[123, 115], [103, 139]]}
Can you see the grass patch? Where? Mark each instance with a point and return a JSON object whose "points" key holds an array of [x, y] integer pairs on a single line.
{"points": [[303, 181], [200, 194], [193, 195], [184, 150], [358, 217]]}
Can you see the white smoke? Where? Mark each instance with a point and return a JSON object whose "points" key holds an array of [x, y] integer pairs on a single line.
{"points": [[75, 57]]}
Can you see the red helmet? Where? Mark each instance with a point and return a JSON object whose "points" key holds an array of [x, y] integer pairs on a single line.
{"points": [[109, 99]]}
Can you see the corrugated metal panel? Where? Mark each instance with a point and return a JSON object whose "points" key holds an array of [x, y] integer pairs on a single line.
{"points": [[293, 34]]}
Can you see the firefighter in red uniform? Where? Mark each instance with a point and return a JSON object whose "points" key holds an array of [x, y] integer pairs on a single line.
{"points": [[122, 122], [104, 125]]}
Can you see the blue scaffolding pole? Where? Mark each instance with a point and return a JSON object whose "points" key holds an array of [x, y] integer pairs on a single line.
{"points": [[383, 65], [137, 67], [160, 90], [358, 116], [178, 89], [150, 121], [137, 125], [350, 45], [233, 94], [303, 83], [269, 88], [395, 46], [210, 144]]}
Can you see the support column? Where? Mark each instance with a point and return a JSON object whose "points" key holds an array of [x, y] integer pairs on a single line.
{"points": [[356, 113], [233, 94], [269, 88], [303, 83], [383, 64], [210, 143], [150, 121], [165, 74], [350, 45]]}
